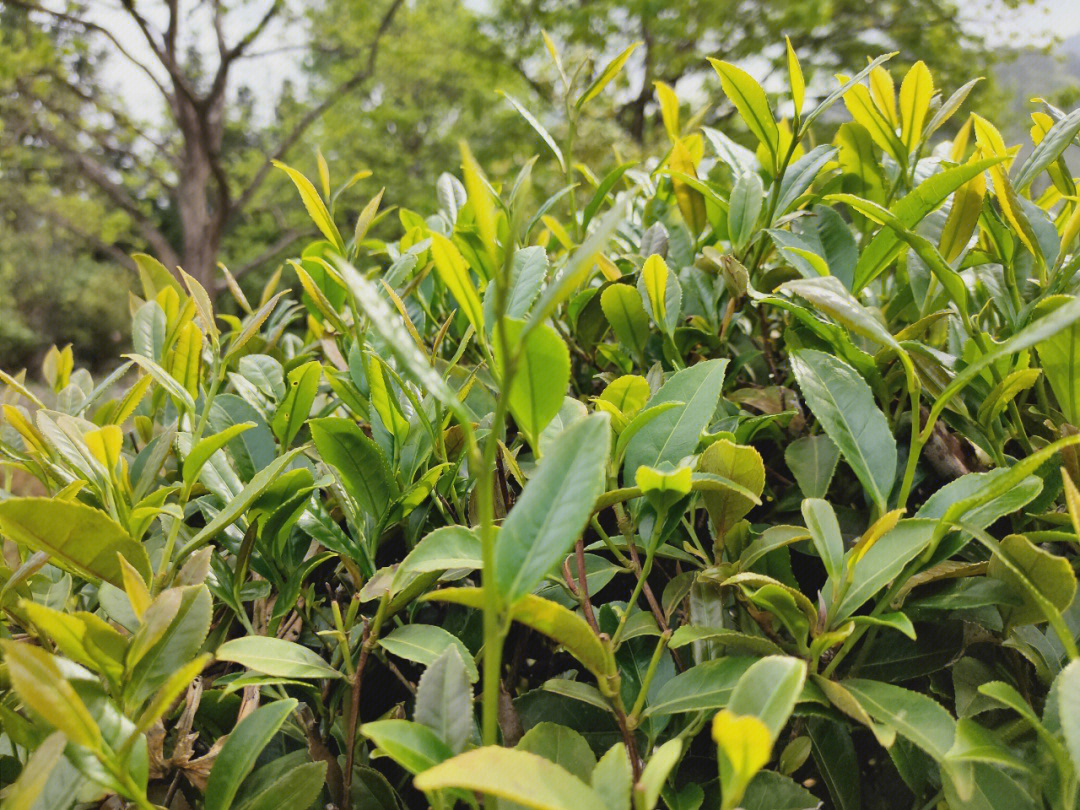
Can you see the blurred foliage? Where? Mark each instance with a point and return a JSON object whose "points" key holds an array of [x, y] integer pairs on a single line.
{"points": [[434, 83], [70, 297]]}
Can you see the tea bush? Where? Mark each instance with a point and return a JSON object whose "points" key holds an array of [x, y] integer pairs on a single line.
{"points": [[746, 478]]}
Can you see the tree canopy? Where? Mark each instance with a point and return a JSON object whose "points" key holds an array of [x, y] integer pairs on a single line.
{"points": [[387, 86]]}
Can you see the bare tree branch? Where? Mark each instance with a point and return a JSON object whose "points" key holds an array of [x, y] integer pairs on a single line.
{"points": [[166, 59], [118, 255], [315, 112], [101, 105], [92, 26], [246, 41], [99, 175], [99, 136], [229, 55], [219, 30]]}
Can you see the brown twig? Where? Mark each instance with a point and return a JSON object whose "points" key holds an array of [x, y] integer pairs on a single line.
{"points": [[400, 676], [366, 644], [583, 586], [767, 347], [628, 739]]}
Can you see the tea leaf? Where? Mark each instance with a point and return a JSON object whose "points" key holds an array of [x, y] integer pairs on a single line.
{"points": [[812, 460], [610, 71], [40, 684], [514, 775], [561, 745], [34, 777], [750, 100], [206, 447], [454, 273], [426, 644], [825, 532], [744, 746], [315, 206], [242, 747], [675, 433], [655, 774], [916, 92], [413, 746], [915, 717], [302, 386], [624, 311], [297, 788], [1068, 694], [77, 537], [444, 700], [358, 461], [739, 463], [276, 657], [845, 406], [553, 507], [554, 621], [541, 377], [769, 690]]}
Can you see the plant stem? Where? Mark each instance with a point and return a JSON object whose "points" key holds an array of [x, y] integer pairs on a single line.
{"points": [[494, 626], [642, 572], [370, 636], [646, 682], [583, 585]]}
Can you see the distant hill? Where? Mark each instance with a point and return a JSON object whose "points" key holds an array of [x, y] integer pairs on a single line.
{"points": [[1034, 73]]}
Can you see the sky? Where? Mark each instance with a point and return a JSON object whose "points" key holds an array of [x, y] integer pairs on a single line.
{"points": [[1035, 24]]}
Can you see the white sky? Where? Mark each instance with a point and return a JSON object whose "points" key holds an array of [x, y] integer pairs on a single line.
{"points": [[1031, 24]]}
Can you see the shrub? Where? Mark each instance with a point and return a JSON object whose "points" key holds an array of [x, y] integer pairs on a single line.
{"points": [[738, 480]]}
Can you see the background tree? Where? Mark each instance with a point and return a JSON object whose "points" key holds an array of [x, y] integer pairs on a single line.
{"points": [[175, 181], [434, 87], [676, 35], [90, 173]]}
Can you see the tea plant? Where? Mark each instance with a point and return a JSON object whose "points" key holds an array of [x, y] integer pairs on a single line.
{"points": [[743, 478]]}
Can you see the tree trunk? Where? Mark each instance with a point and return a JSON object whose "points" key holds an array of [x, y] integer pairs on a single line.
{"points": [[201, 220]]}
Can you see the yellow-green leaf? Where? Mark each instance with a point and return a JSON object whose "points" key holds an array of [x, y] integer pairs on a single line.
{"points": [[655, 275], [23, 794], [691, 201], [739, 463], [541, 377], [753, 105], [512, 774], [77, 537], [555, 622], [154, 276], [865, 112], [883, 92], [186, 358], [483, 206], [324, 173], [880, 527], [606, 75], [315, 206], [39, 683], [795, 77], [744, 745], [135, 587], [628, 394], [669, 108], [963, 217], [453, 271], [202, 303], [916, 93]]}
